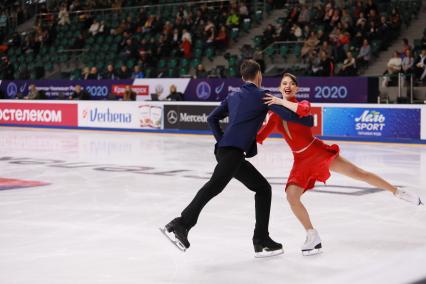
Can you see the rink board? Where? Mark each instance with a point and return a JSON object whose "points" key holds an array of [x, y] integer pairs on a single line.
{"points": [[357, 122]]}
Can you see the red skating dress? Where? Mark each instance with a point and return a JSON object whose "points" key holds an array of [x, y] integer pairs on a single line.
{"points": [[312, 157]]}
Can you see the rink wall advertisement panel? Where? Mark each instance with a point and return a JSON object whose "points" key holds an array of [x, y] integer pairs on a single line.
{"points": [[38, 114], [360, 122], [122, 115]]}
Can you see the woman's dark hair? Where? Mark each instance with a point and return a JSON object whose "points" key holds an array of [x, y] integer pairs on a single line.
{"points": [[292, 77], [249, 69]]}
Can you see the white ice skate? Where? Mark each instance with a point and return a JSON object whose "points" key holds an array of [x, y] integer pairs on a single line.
{"points": [[408, 196], [312, 243]]}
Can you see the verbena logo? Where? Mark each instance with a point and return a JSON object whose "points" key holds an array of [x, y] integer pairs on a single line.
{"points": [[97, 115]]}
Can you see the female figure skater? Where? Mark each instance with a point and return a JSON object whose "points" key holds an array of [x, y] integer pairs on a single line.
{"points": [[313, 160]]}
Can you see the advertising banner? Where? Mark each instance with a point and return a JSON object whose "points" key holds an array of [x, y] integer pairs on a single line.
{"points": [[188, 117], [38, 114], [54, 89], [372, 122], [313, 89], [126, 115]]}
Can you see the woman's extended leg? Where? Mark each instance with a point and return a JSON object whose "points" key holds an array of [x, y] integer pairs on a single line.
{"points": [[342, 166]]}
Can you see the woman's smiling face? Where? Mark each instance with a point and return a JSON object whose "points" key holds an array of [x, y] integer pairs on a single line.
{"points": [[288, 87]]}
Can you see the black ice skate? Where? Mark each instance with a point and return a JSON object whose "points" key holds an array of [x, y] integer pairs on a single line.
{"points": [[176, 232], [266, 247]]}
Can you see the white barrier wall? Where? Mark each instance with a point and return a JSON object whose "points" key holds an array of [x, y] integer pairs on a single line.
{"points": [[366, 122]]}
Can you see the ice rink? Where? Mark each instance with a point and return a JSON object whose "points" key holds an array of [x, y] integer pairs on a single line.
{"points": [[85, 207]]}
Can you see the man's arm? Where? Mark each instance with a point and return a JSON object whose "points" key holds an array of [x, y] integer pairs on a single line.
{"points": [[288, 115], [215, 116]]}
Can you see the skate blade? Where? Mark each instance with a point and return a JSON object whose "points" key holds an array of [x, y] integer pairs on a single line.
{"points": [[263, 254], [311, 252], [171, 238]]}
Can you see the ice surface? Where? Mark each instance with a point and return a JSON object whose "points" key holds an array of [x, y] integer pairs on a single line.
{"points": [[97, 220]]}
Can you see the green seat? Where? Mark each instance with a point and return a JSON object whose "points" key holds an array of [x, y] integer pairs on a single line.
{"points": [[234, 34], [210, 53], [183, 71], [232, 72], [184, 62], [173, 63], [257, 41], [284, 51], [246, 25], [232, 61], [148, 72], [171, 73], [161, 64], [195, 62], [198, 53], [258, 16], [270, 51]]}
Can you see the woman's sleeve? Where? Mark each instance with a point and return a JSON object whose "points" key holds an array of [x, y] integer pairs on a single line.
{"points": [[268, 128], [303, 108]]}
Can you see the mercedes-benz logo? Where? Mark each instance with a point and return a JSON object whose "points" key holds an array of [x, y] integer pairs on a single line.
{"points": [[172, 117]]}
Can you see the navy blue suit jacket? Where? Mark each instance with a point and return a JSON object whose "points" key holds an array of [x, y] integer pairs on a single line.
{"points": [[246, 111]]}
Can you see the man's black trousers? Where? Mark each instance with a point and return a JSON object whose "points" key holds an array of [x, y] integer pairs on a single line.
{"points": [[232, 164]]}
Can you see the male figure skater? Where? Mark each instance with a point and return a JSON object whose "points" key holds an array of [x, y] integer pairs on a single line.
{"points": [[246, 111]]}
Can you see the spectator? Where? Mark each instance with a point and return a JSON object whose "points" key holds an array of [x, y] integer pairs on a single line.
{"points": [[394, 64], [129, 94], [174, 94], [326, 65], [7, 69], [296, 33], [137, 73], [268, 35], [349, 65], [405, 46], [79, 94], [186, 48], [95, 28], [221, 40], [408, 62], [33, 94], [85, 73], [304, 15], [233, 19], [78, 42], [209, 33], [109, 73], [123, 73], [64, 17], [310, 44], [200, 72], [364, 54], [423, 41], [420, 66], [243, 10], [93, 75]]}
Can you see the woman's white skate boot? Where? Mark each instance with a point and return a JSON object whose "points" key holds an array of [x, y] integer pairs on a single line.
{"points": [[312, 243], [408, 196]]}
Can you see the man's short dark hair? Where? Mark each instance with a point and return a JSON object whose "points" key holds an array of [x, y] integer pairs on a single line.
{"points": [[249, 69]]}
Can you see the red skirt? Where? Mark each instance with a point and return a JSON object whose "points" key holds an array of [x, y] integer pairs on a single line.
{"points": [[312, 165]]}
